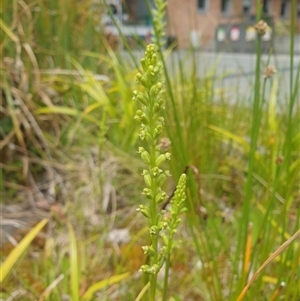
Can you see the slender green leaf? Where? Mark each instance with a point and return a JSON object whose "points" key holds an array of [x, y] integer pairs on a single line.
{"points": [[102, 284], [74, 269], [19, 250]]}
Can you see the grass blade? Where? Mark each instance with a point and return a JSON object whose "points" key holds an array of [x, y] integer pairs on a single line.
{"points": [[231, 136], [102, 284], [17, 252], [8, 32], [274, 255], [74, 270]]}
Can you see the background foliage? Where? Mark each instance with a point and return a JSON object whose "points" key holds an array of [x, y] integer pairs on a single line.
{"points": [[68, 148]]}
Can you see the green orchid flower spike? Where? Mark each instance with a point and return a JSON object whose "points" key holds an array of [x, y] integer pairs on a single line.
{"points": [[151, 127], [150, 117]]}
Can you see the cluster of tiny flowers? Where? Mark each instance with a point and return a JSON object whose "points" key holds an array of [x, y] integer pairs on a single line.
{"points": [[178, 202], [176, 209], [269, 71], [159, 22], [155, 155], [261, 27]]}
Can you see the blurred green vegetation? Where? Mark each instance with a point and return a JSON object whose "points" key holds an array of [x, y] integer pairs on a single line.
{"points": [[68, 136]]}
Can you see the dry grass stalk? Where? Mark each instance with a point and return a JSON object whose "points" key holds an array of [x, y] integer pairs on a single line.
{"points": [[274, 255]]}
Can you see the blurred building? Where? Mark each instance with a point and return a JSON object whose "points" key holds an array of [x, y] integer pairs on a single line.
{"points": [[132, 17], [195, 21]]}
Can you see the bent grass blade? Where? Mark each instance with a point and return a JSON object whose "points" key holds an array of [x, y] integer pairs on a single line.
{"points": [[19, 250]]}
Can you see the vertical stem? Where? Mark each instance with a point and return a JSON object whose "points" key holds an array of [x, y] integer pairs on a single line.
{"points": [[292, 98], [254, 136], [154, 240], [167, 268], [153, 205], [292, 41], [291, 94], [242, 239]]}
